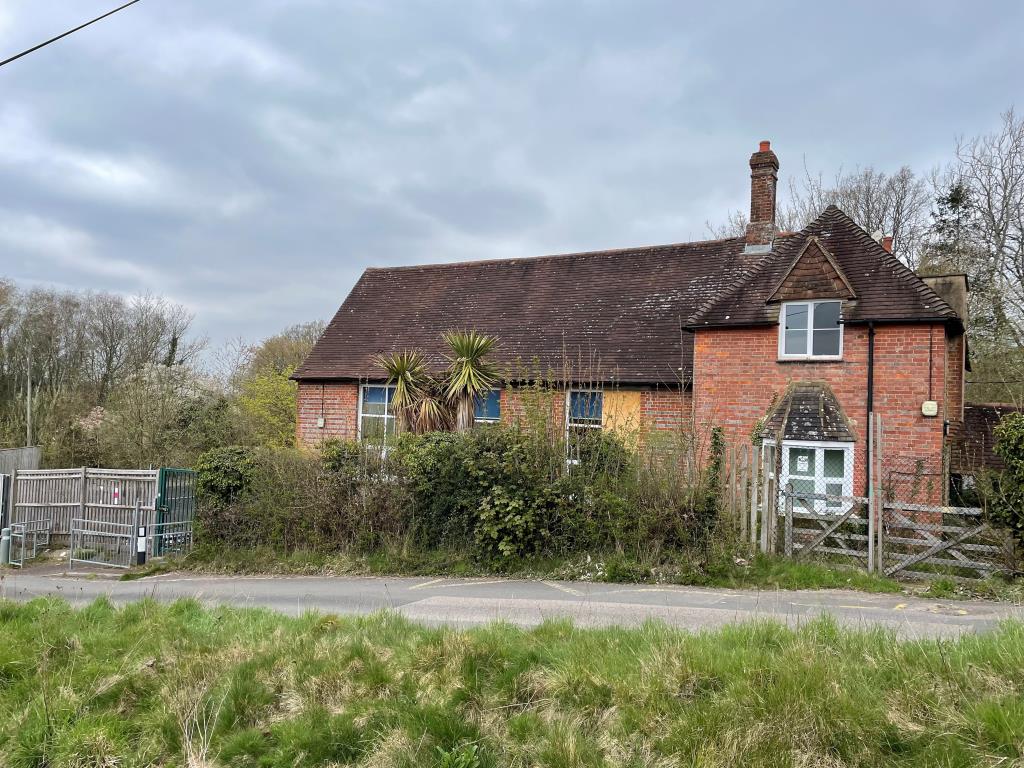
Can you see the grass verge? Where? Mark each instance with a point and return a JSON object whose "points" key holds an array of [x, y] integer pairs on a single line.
{"points": [[180, 685], [716, 569]]}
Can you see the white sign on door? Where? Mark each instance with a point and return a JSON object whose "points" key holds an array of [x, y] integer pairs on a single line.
{"points": [[803, 465]]}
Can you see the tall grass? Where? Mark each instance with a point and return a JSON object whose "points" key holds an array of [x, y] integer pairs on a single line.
{"points": [[180, 685]]}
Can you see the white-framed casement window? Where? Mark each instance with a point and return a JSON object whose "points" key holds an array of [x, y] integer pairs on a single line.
{"points": [[823, 468], [376, 421], [584, 409], [811, 330], [487, 409]]}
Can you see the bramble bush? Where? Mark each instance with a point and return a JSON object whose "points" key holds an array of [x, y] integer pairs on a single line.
{"points": [[498, 491]]}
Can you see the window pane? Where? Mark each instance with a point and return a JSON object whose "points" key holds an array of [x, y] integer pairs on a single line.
{"points": [[825, 343], [833, 489], [801, 462], [585, 407], [796, 343], [803, 486], [835, 463], [373, 428], [826, 315], [488, 407], [374, 409], [796, 316], [380, 395]]}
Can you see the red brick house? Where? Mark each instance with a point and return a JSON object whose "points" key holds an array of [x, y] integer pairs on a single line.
{"points": [[798, 335]]}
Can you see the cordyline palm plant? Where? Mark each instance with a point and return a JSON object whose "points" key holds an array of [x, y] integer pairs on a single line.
{"points": [[407, 371], [470, 376]]}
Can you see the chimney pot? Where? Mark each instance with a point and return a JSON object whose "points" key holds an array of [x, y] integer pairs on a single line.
{"points": [[887, 243], [765, 146]]}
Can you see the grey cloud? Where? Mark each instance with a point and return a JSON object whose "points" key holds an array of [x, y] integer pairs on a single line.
{"points": [[250, 162]]}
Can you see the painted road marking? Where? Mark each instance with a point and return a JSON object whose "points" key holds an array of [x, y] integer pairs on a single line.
{"points": [[676, 591], [435, 584], [562, 588], [425, 584]]}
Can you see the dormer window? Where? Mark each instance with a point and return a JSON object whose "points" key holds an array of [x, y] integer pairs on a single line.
{"points": [[810, 330]]}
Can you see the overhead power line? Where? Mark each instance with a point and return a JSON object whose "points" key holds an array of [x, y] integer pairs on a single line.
{"points": [[69, 32]]}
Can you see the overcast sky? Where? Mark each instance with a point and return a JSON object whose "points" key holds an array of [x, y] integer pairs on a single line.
{"points": [[250, 159]]}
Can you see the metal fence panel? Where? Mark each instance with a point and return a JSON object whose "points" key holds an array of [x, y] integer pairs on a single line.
{"points": [[175, 509], [904, 527], [28, 539], [836, 526], [53, 494], [89, 494], [101, 542], [111, 495], [5, 500], [95, 511]]}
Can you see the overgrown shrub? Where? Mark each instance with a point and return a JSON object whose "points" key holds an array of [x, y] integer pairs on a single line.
{"points": [[1008, 498], [223, 473], [499, 491], [294, 500]]}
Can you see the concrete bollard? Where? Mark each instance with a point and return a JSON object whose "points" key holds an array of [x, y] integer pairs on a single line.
{"points": [[5, 546]]}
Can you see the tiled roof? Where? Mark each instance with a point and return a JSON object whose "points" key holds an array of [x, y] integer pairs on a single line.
{"points": [[974, 450], [885, 288], [808, 411], [607, 315], [613, 316]]}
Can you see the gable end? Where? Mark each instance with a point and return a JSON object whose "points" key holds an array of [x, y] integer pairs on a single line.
{"points": [[814, 274]]}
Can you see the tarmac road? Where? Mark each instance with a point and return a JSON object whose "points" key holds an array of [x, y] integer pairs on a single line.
{"points": [[468, 602]]}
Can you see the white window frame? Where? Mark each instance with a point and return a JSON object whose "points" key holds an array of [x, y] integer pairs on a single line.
{"points": [[386, 415], [807, 354], [820, 481], [481, 420], [568, 409], [569, 424]]}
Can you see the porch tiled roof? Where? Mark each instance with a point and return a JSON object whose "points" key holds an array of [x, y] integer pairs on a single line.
{"points": [[808, 411]]}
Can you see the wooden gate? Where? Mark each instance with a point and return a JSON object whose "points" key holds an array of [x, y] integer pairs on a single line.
{"points": [[845, 533], [954, 542]]}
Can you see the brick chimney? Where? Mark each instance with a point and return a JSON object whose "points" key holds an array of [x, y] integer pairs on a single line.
{"points": [[887, 242], [764, 178]]}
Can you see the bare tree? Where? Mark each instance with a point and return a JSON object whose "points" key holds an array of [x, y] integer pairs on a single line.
{"points": [[991, 170], [895, 204], [80, 344], [735, 225]]}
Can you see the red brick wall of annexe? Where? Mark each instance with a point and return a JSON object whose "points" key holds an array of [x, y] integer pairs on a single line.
{"points": [[338, 402], [737, 378], [666, 409]]}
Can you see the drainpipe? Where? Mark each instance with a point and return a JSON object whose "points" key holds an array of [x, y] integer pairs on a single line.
{"points": [[871, 405]]}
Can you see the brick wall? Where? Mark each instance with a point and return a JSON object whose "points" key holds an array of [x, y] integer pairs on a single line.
{"points": [[737, 378], [956, 357], [339, 404], [668, 409], [523, 405]]}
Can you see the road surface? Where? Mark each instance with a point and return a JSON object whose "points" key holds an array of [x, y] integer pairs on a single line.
{"points": [[468, 602]]}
